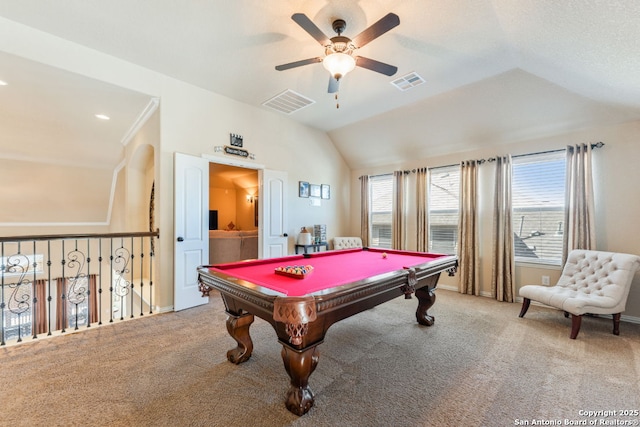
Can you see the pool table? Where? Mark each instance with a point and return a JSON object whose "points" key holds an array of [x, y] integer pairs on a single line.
{"points": [[301, 308]]}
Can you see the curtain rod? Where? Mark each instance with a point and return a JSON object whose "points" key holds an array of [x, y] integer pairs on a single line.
{"points": [[598, 144], [375, 176]]}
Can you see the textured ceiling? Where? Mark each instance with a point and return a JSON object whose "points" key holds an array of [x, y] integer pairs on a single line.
{"points": [[495, 70]]}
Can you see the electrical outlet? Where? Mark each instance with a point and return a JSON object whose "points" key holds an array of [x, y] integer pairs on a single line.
{"points": [[545, 280]]}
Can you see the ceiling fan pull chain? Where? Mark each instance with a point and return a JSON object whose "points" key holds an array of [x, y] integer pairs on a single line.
{"points": [[337, 103]]}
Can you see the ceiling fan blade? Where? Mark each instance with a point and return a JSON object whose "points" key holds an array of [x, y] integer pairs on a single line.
{"points": [[388, 22], [311, 28], [298, 63], [334, 85], [377, 66]]}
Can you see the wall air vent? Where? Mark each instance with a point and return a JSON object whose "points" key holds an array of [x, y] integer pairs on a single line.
{"points": [[288, 102], [408, 81]]}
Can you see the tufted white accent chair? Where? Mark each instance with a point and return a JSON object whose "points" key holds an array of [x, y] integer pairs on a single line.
{"points": [[592, 282], [347, 242]]}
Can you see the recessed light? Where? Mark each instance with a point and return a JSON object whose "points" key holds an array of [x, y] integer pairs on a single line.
{"points": [[102, 117], [3, 83]]}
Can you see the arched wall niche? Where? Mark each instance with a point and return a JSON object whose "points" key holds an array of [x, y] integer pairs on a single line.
{"points": [[140, 181]]}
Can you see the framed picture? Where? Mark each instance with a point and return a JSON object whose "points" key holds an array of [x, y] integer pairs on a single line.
{"points": [[303, 189], [235, 140], [315, 190], [326, 191]]}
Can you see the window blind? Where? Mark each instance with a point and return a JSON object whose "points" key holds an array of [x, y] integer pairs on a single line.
{"points": [[381, 199], [443, 204], [538, 200]]}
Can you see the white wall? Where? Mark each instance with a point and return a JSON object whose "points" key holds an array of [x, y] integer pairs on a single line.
{"points": [[616, 179], [194, 121]]}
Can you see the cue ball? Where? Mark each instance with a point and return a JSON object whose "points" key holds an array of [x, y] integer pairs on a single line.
{"points": [[384, 254]]}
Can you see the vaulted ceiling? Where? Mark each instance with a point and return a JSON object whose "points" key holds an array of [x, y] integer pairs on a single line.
{"points": [[493, 70]]}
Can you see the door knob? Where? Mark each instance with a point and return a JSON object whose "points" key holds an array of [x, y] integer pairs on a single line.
{"points": [[180, 239], [285, 235]]}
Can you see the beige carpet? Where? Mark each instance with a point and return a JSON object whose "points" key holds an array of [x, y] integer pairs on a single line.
{"points": [[479, 365]]}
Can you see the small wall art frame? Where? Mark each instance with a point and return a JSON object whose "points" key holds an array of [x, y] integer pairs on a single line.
{"points": [[314, 190], [325, 191], [303, 189]]}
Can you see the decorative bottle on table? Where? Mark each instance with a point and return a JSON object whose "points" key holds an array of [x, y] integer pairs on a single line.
{"points": [[304, 238]]}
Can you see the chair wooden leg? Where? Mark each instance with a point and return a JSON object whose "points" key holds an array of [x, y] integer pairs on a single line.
{"points": [[575, 325], [616, 323], [525, 306]]}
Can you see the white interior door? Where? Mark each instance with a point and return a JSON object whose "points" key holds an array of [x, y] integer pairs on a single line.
{"points": [[273, 214], [191, 228]]}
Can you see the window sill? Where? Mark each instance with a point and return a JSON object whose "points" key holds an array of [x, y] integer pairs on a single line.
{"points": [[547, 265]]}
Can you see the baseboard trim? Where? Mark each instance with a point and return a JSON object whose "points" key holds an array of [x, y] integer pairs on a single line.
{"points": [[156, 309], [165, 309], [455, 289], [630, 319], [518, 300]]}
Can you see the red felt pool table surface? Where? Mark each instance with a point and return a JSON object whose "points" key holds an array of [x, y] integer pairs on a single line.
{"points": [[330, 269]]}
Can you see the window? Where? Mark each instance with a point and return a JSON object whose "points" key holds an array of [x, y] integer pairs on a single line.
{"points": [[77, 301], [17, 293], [444, 201], [538, 185], [381, 197], [17, 316], [21, 265]]}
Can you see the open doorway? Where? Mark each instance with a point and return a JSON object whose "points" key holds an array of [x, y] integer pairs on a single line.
{"points": [[191, 221], [233, 213]]}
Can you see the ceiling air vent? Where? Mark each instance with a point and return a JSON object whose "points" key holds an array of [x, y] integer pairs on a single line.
{"points": [[288, 102], [408, 81]]}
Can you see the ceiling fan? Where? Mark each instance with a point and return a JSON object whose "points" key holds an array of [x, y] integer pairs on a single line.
{"points": [[339, 56]]}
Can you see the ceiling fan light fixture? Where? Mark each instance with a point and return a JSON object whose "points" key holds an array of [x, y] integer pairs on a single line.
{"points": [[339, 64]]}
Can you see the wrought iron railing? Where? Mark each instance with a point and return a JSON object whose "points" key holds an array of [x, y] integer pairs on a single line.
{"points": [[52, 283]]}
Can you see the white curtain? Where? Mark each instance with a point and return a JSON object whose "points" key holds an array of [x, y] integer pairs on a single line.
{"points": [[579, 204], [503, 260], [468, 257], [398, 233], [422, 210], [364, 210]]}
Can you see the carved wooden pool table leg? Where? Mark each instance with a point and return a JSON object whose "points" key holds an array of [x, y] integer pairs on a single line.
{"points": [[426, 298], [238, 327], [299, 364]]}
